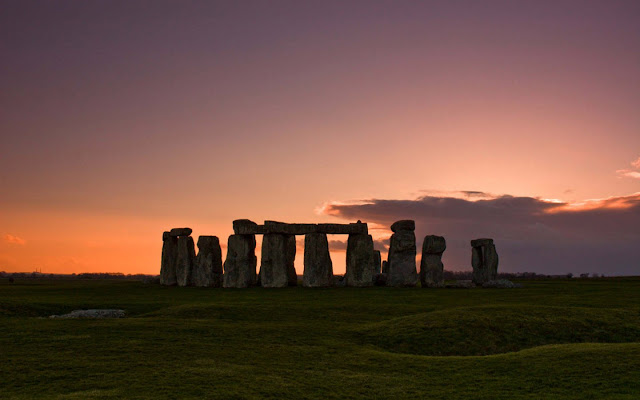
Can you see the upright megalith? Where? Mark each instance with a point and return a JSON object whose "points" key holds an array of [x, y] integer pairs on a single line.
{"points": [[359, 260], [385, 267], [185, 260], [431, 267], [207, 270], [318, 268], [402, 255], [240, 265], [484, 260], [277, 260], [169, 259], [377, 262], [291, 259]]}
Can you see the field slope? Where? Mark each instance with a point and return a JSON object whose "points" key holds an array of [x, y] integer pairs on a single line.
{"points": [[576, 339]]}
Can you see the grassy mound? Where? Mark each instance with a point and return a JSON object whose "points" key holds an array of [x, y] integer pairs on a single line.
{"points": [[500, 329]]}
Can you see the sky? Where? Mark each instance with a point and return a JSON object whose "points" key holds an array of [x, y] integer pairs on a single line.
{"points": [[516, 120]]}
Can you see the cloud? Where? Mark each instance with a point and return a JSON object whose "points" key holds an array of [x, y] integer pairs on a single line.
{"points": [[630, 173], [532, 234], [11, 239]]}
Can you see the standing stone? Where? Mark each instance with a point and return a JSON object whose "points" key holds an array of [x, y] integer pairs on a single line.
{"points": [[291, 260], [377, 260], [240, 265], [385, 267], [208, 266], [185, 260], [169, 259], [484, 261], [402, 255], [274, 266], [318, 268], [359, 260], [431, 267]]}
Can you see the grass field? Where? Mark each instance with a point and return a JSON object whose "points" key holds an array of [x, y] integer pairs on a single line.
{"points": [[576, 339]]}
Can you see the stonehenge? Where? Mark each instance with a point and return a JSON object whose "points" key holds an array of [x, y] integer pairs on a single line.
{"points": [[318, 268], [207, 271], [185, 260], [180, 266], [168, 263], [240, 264], [431, 267], [359, 260], [402, 255], [278, 254], [484, 261]]}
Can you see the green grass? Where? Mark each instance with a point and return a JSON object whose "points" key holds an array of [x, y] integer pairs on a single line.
{"points": [[575, 339]]}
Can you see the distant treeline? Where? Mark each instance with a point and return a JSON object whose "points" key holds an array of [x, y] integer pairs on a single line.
{"points": [[467, 275], [84, 275], [448, 275]]}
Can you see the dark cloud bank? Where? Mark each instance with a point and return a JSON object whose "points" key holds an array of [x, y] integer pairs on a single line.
{"points": [[531, 234]]}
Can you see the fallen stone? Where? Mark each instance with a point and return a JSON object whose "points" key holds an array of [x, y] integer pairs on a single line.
{"points": [[185, 260], [463, 284], [359, 260], [404, 225], [274, 265], [168, 263], [180, 232], [501, 284], [93, 313], [318, 268], [208, 266], [402, 259], [240, 265]]}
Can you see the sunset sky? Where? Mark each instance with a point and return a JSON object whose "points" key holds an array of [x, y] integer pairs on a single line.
{"points": [[517, 120]]}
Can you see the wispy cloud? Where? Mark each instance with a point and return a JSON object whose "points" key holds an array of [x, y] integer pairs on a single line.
{"points": [[532, 234], [11, 239], [631, 173]]}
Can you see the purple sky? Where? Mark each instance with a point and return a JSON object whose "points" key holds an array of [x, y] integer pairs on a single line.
{"points": [[120, 119]]}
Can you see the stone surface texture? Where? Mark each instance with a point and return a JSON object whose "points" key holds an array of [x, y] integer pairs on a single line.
{"points": [[377, 261], [207, 271], [185, 260], [180, 232], [403, 225], [359, 260], [501, 284], [431, 267], [484, 261], [169, 260], [318, 268], [274, 265], [240, 264], [402, 256]]}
